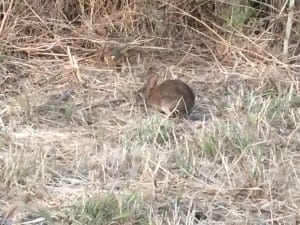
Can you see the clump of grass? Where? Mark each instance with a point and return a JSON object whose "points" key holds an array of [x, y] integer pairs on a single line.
{"points": [[57, 106], [19, 106], [153, 129], [208, 145], [105, 209], [24, 165]]}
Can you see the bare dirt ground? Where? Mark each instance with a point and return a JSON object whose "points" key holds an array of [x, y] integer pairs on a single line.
{"points": [[76, 149]]}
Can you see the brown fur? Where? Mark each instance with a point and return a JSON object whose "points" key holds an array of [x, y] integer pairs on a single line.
{"points": [[173, 97]]}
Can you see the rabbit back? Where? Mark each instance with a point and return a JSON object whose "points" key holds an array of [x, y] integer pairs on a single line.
{"points": [[172, 95]]}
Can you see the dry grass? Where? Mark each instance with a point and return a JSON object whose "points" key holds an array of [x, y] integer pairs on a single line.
{"points": [[75, 149]]}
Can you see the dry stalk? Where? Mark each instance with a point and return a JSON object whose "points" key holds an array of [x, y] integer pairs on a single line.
{"points": [[74, 65], [288, 29]]}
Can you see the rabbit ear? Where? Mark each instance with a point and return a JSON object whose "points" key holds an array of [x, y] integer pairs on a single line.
{"points": [[152, 81]]}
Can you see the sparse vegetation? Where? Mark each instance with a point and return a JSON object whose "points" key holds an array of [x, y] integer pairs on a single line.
{"points": [[75, 148]]}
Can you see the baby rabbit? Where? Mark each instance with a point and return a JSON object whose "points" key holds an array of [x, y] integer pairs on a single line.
{"points": [[172, 97]]}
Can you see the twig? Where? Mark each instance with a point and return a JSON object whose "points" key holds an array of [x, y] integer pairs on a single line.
{"points": [[74, 64], [288, 30], [5, 15]]}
